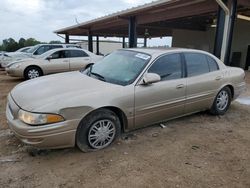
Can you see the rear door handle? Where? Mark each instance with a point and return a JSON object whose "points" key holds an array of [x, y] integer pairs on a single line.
{"points": [[218, 78], [180, 86]]}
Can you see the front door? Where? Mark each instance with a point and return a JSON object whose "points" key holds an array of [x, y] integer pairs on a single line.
{"points": [[165, 99], [59, 62]]}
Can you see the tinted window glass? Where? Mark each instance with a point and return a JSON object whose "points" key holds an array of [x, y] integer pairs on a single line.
{"points": [[196, 64], [213, 66], [168, 67], [55, 46], [41, 50], [73, 46], [78, 53], [59, 55]]}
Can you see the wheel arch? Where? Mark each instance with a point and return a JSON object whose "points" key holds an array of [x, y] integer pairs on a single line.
{"points": [[120, 114], [230, 86], [30, 66]]}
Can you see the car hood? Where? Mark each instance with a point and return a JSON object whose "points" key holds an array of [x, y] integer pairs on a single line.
{"points": [[58, 91]]}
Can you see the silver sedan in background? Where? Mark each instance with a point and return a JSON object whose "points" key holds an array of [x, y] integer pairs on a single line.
{"points": [[54, 61]]}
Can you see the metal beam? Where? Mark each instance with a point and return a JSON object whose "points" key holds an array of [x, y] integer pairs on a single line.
{"points": [[90, 42], [132, 32], [66, 38]]}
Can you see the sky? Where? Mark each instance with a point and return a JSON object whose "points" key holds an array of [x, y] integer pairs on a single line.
{"points": [[39, 18]]}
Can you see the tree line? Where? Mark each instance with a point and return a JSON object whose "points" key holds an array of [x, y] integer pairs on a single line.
{"points": [[10, 45]]}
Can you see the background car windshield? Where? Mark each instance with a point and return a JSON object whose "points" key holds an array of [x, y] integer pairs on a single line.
{"points": [[33, 49], [44, 55], [121, 67]]}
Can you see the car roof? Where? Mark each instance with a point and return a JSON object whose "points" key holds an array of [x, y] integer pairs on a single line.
{"points": [[58, 49], [158, 51]]}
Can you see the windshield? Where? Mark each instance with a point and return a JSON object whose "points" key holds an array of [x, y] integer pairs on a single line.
{"points": [[120, 67], [33, 49]]}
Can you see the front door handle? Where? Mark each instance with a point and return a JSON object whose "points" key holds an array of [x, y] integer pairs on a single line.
{"points": [[218, 78], [180, 86], [65, 61]]}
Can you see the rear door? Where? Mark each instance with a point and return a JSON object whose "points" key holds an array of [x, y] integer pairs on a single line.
{"points": [[59, 62], [78, 59], [165, 99], [203, 81]]}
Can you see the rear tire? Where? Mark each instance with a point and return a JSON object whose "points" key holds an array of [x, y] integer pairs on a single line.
{"points": [[222, 102], [32, 72], [98, 130]]}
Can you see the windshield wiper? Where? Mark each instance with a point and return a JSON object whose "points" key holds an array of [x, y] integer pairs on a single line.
{"points": [[100, 77]]}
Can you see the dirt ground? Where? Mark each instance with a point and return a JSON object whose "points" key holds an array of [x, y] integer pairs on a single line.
{"points": [[195, 151]]}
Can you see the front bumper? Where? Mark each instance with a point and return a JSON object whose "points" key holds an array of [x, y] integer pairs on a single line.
{"points": [[14, 72], [57, 135]]}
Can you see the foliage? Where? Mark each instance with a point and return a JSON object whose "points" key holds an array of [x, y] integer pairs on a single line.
{"points": [[10, 45]]}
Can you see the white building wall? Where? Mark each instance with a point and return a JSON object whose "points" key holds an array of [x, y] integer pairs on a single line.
{"points": [[105, 47], [241, 39], [204, 40]]}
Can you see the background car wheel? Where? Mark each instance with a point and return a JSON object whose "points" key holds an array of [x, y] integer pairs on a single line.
{"points": [[222, 102], [98, 130], [32, 72]]}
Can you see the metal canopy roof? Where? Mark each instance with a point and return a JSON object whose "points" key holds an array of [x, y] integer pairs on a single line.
{"points": [[157, 19]]}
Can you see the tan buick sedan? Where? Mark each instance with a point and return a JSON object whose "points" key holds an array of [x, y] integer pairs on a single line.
{"points": [[52, 61], [126, 90]]}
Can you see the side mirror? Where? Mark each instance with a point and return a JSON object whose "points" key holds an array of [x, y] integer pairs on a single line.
{"points": [[150, 78], [49, 58]]}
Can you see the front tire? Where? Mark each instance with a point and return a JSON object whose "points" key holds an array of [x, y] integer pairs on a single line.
{"points": [[32, 72], [98, 130], [222, 102]]}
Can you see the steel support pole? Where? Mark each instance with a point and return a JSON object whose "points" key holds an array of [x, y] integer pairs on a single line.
{"points": [[123, 42], [66, 38], [233, 16], [219, 32], [97, 45], [132, 32], [90, 42], [145, 42]]}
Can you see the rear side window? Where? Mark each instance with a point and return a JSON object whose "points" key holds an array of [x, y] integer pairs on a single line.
{"points": [[56, 46], [213, 66], [72, 46], [168, 67], [78, 53], [196, 64]]}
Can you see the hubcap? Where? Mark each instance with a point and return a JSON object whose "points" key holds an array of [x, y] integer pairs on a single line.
{"points": [[222, 100], [101, 134], [33, 73]]}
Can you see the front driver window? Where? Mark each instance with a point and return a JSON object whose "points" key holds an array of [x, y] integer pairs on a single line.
{"points": [[58, 55], [168, 67]]}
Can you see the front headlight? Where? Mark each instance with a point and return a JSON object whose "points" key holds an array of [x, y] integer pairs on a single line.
{"points": [[15, 65], [38, 119]]}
